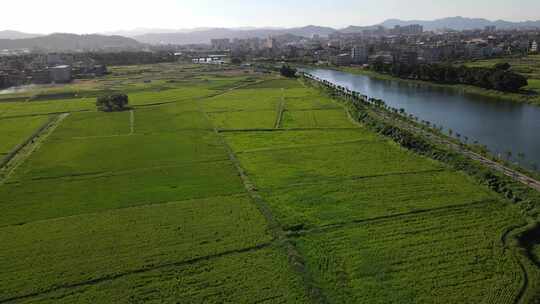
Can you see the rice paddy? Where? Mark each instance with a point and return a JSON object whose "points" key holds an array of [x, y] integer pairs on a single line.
{"points": [[227, 186]]}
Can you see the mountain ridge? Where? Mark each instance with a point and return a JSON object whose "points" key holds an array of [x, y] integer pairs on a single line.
{"points": [[462, 23], [71, 42], [10, 34], [136, 37]]}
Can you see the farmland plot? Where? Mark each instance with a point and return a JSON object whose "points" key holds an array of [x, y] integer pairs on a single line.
{"points": [[168, 96], [244, 100], [244, 120], [261, 276], [321, 204], [12, 109], [333, 118], [93, 156], [29, 201], [278, 168], [275, 140], [147, 206], [442, 257], [94, 124], [105, 245], [310, 102], [15, 131]]}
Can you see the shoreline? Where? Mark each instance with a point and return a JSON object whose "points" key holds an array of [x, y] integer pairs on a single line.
{"points": [[465, 89]]}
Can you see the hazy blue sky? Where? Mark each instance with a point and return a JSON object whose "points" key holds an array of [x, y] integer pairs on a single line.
{"points": [[79, 16]]}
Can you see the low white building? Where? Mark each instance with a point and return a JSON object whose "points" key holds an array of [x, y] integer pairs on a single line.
{"points": [[534, 47], [60, 74]]}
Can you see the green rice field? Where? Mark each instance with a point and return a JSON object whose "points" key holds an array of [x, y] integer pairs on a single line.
{"points": [[222, 185]]}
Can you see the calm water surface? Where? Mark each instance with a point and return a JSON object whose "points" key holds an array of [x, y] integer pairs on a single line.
{"points": [[501, 125]]}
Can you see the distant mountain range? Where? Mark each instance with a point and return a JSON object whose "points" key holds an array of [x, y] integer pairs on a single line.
{"points": [[205, 35], [461, 23], [16, 35], [71, 42], [138, 37]]}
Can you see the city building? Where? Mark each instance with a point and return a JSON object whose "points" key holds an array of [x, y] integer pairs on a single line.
{"points": [[413, 29], [406, 57], [341, 59], [359, 54], [54, 59], [60, 74], [221, 44]]}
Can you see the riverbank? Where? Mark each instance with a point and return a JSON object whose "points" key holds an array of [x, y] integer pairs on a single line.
{"points": [[465, 89]]}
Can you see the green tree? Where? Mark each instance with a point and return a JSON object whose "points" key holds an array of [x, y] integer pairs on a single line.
{"points": [[287, 71], [112, 103]]}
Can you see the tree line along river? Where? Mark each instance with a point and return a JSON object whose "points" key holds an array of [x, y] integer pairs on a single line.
{"points": [[503, 126]]}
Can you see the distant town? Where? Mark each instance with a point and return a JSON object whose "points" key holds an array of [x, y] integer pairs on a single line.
{"points": [[409, 44]]}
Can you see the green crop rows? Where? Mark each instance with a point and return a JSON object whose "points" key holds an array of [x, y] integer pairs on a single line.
{"points": [[222, 185], [15, 131]]}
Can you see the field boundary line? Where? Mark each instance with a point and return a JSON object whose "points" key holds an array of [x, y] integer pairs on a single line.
{"points": [[295, 259], [31, 145], [511, 234], [269, 109], [345, 142], [141, 206], [315, 109], [44, 114], [11, 154], [284, 130], [131, 122], [353, 223], [112, 277], [333, 180], [103, 174], [240, 111], [280, 110]]}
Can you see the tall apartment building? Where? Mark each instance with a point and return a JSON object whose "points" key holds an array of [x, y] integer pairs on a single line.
{"points": [[359, 54], [221, 44]]}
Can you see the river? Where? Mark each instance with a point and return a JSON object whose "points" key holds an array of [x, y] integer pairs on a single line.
{"points": [[503, 126]]}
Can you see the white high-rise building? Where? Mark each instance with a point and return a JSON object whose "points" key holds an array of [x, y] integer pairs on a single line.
{"points": [[534, 47]]}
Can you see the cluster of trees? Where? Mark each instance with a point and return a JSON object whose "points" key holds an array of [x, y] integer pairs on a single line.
{"points": [[115, 102], [499, 77], [287, 71]]}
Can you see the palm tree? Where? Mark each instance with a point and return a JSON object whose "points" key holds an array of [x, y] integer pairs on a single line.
{"points": [[521, 155]]}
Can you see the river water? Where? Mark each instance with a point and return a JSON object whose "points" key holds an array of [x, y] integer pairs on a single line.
{"points": [[503, 126]]}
